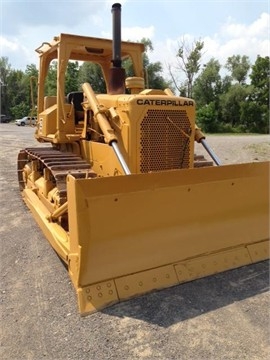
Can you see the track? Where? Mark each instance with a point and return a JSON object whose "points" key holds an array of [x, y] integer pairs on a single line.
{"points": [[58, 163]]}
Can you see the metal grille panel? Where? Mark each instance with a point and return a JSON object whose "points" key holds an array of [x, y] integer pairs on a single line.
{"points": [[164, 143]]}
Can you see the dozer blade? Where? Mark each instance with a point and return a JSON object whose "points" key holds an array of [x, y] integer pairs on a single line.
{"points": [[132, 234]]}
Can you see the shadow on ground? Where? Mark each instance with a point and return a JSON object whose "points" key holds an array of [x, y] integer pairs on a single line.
{"points": [[170, 306]]}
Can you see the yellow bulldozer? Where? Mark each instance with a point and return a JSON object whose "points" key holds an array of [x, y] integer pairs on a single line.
{"points": [[116, 187]]}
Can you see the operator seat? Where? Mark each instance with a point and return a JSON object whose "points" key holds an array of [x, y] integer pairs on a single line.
{"points": [[76, 98]]}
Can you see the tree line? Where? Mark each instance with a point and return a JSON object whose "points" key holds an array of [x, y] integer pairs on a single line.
{"points": [[237, 101]]}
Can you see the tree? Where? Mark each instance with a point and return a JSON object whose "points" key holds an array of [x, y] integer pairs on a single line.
{"points": [[207, 89], [188, 61], [71, 82], [92, 73], [260, 80], [239, 67], [207, 118], [253, 119], [5, 69], [154, 78], [30, 83], [208, 85], [71, 78], [17, 93], [231, 102], [50, 84], [255, 111]]}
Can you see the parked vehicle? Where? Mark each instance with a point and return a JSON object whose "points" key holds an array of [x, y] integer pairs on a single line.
{"points": [[27, 120], [5, 118]]}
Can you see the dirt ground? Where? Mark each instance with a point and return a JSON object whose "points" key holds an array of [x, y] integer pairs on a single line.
{"points": [[225, 316]]}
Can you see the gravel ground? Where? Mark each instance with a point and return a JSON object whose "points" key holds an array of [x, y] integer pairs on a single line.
{"points": [[225, 316]]}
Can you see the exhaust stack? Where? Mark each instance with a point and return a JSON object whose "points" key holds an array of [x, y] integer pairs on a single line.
{"points": [[116, 35], [117, 73]]}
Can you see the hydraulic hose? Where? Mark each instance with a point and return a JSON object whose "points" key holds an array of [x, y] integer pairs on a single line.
{"points": [[120, 157], [200, 138], [210, 152]]}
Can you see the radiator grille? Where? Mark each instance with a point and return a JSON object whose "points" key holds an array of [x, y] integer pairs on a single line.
{"points": [[163, 143]]}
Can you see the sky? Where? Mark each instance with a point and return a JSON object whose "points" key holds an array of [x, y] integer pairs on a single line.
{"points": [[227, 28]]}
